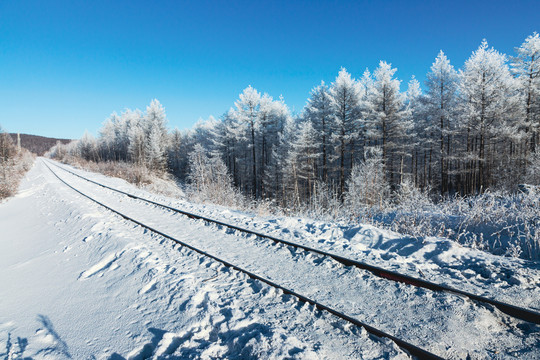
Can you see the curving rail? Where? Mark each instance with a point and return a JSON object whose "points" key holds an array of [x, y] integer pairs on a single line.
{"points": [[410, 348], [512, 310]]}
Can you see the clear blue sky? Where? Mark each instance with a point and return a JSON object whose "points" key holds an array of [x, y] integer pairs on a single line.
{"points": [[66, 65]]}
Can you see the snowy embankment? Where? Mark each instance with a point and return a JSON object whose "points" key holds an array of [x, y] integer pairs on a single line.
{"points": [[78, 282]]}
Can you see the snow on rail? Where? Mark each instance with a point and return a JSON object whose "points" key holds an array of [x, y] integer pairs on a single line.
{"points": [[412, 349], [512, 310]]}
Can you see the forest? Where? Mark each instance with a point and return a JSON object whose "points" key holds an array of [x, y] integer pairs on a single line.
{"points": [[470, 130], [360, 143]]}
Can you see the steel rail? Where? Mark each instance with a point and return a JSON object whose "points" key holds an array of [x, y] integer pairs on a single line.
{"points": [[509, 309], [412, 349]]}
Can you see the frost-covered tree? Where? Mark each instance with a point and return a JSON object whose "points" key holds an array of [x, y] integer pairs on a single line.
{"points": [[300, 172], [14, 163], [7, 148], [107, 141], [487, 92], [246, 115], [526, 67], [440, 106], [136, 136], [87, 147], [388, 118], [156, 136], [226, 143], [199, 169], [320, 112], [366, 84], [413, 93], [413, 105], [274, 114], [155, 150], [122, 127], [204, 133], [177, 156], [249, 140], [279, 167], [182, 143], [345, 95]]}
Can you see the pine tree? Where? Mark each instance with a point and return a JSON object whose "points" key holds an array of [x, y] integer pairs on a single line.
{"points": [[273, 116], [155, 149], [440, 105], [412, 117], [107, 138], [136, 138], [87, 147], [279, 165], [177, 155], [366, 83], [156, 137], [302, 156], [319, 111], [246, 115], [225, 143], [345, 96], [487, 92], [526, 66], [387, 117], [7, 148], [126, 126]]}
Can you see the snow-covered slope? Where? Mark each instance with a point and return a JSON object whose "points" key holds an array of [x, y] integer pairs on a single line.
{"points": [[79, 282]]}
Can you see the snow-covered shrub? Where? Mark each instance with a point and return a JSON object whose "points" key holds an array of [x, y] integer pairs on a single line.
{"points": [[324, 202], [14, 163], [533, 171], [367, 186], [410, 198], [411, 209], [500, 222], [67, 153], [210, 180], [132, 173], [514, 250], [265, 207]]}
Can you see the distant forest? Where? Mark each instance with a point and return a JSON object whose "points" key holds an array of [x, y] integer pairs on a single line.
{"points": [[38, 145], [466, 131]]}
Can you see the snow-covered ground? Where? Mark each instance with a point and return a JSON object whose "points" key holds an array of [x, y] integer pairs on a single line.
{"points": [[79, 282]]}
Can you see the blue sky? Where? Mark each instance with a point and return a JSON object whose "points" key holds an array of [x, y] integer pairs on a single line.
{"points": [[66, 65]]}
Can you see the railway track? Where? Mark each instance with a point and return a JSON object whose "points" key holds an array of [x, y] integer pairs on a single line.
{"points": [[512, 310], [515, 311]]}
